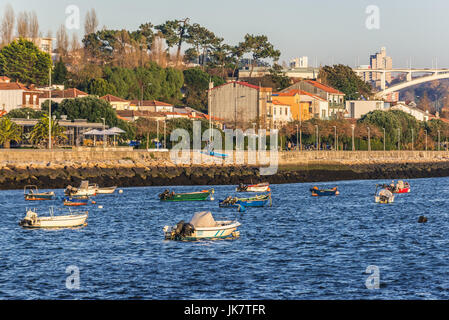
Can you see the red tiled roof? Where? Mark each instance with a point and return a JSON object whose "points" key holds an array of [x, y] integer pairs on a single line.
{"points": [[2, 113], [278, 103], [12, 86], [246, 84], [151, 103], [111, 98], [4, 79], [324, 87], [67, 93]]}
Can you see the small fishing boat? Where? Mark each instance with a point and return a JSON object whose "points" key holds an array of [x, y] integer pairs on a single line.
{"points": [[190, 196], [76, 201], [202, 226], [70, 220], [316, 192], [383, 195], [260, 187], [31, 193], [257, 201], [400, 187], [83, 190], [102, 190]]}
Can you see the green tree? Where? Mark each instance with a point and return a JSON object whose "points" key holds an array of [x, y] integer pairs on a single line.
{"points": [[100, 87], [24, 113], [9, 131], [260, 48], [344, 79], [39, 134], [21, 60], [60, 73], [174, 32]]}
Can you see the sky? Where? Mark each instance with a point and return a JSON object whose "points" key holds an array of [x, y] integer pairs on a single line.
{"points": [[327, 31]]}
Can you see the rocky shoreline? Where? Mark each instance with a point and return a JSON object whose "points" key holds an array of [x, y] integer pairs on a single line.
{"points": [[129, 173]]}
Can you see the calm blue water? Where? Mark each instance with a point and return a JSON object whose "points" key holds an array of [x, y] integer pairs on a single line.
{"points": [[301, 248]]}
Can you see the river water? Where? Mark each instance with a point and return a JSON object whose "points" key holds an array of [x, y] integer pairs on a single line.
{"points": [[301, 248]]}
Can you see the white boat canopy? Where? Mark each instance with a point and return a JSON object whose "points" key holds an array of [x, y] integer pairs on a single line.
{"points": [[203, 220]]}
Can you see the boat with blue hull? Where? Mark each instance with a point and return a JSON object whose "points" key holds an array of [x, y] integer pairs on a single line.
{"points": [[257, 201], [76, 201], [316, 192]]}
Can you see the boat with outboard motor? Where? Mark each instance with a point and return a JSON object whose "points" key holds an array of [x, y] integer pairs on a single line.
{"points": [[73, 219], [189, 196]]}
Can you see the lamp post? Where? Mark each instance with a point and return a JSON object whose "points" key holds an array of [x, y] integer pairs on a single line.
{"points": [[353, 145], [335, 137], [165, 131], [157, 138], [235, 111], [317, 146], [49, 108], [297, 137], [369, 139], [438, 140], [104, 136], [413, 142], [384, 138], [426, 138], [399, 139]]}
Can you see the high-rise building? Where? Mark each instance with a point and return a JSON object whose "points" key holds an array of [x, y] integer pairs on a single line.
{"points": [[301, 62], [379, 61]]}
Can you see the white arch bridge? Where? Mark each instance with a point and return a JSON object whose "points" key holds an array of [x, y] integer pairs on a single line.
{"points": [[433, 74]]}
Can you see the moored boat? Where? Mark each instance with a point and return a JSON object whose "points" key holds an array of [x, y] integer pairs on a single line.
{"points": [[383, 195], [76, 201], [400, 187], [202, 226], [83, 190], [189, 196], [316, 192], [71, 220], [31, 193], [260, 187], [235, 202]]}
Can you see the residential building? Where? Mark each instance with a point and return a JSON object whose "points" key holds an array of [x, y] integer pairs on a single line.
{"points": [[59, 95], [379, 61], [301, 62], [240, 104], [302, 73], [355, 109], [319, 107], [280, 114], [116, 102], [300, 110], [151, 105], [15, 95], [419, 114], [334, 97]]}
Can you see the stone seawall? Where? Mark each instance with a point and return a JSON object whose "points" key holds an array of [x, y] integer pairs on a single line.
{"points": [[125, 168]]}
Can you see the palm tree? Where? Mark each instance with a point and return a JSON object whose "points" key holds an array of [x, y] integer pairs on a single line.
{"points": [[9, 131], [39, 133]]}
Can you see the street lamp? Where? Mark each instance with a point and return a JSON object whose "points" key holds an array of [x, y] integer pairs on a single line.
{"points": [[353, 145], [235, 111], [413, 142], [104, 136], [317, 146], [438, 140], [297, 137], [399, 139], [384, 138], [49, 108], [426, 138], [369, 139], [335, 137]]}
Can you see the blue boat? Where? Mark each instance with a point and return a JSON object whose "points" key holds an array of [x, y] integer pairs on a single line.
{"points": [[257, 201], [324, 192]]}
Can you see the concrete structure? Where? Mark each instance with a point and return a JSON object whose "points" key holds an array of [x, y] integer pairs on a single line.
{"points": [[15, 95], [151, 105], [357, 108], [319, 107], [419, 114], [240, 104], [302, 73], [378, 61]]}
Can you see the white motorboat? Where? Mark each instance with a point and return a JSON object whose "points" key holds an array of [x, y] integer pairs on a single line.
{"points": [[260, 187], [202, 226], [83, 190], [103, 190], [383, 196], [71, 220]]}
